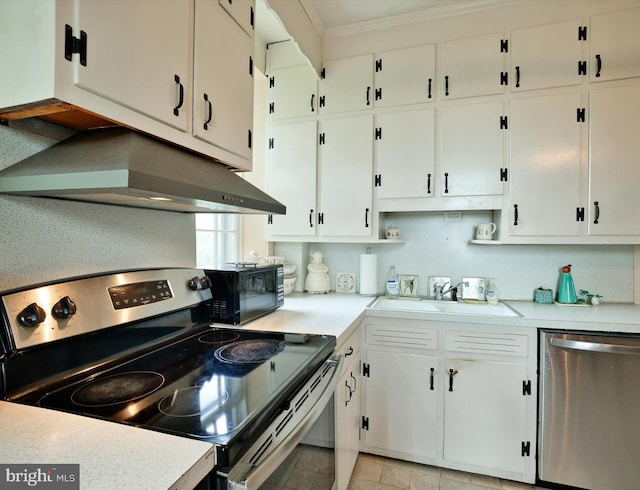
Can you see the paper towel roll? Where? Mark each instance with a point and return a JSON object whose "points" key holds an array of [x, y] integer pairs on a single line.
{"points": [[368, 274]]}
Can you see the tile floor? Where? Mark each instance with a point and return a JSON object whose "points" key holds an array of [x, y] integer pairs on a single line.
{"points": [[378, 473]]}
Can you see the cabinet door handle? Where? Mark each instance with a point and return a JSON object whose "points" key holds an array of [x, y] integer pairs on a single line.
{"points": [[431, 376], [313, 96], [446, 182], [311, 218], [517, 76], [452, 373], [446, 85], [176, 109], [428, 183], [598, 65], [366, 218], [515, 215], [209, 111], [597, 216], [368, 92], [355, 382], [429, 90], [349, 394]]}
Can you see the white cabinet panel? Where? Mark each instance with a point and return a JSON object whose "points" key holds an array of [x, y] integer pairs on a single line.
{"points": [[472, 147], [347, 84], [291, 170], [346, 174], [546, 56], [243, 12], [405, 154], [471, 67], [405, 76], [545, 165], [147, 70], [348, 420], [293, 92], [615, 45], [614, 173]]}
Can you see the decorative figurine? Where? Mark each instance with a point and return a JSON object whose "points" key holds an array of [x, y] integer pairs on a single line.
{"points": [[318, 278]]}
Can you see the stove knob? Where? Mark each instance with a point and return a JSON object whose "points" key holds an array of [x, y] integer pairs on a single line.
{"points": [[205, 282], [31, 316], [194, 283], [64, 308]]}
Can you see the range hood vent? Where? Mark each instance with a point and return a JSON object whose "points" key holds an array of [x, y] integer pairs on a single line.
{"points": [[123, 167]]}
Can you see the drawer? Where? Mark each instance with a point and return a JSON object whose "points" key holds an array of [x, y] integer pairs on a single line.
{"points": [[495, 344], [350, 348], [400, 336]]}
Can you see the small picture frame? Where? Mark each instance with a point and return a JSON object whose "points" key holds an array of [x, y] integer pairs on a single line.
{"points": [[346, 282], [408, 285]]}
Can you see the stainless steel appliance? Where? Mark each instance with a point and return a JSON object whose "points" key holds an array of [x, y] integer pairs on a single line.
{"points": [[589, 405], [245, 291], [137, 348]]}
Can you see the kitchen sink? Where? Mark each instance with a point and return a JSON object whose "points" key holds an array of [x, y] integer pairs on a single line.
{"points": [[450, 307]]}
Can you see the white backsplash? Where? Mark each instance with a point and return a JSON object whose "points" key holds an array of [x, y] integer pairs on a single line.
{"points": [[435, 247], [48, 239]]}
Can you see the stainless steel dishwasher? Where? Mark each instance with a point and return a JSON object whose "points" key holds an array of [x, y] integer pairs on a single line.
{"points": [[589, 405]]}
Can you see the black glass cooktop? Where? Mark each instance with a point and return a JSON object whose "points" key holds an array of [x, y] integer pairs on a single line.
{"points": [[215, 384]]}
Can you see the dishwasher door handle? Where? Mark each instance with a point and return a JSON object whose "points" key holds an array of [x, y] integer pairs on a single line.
{"points": [[595, 346]]}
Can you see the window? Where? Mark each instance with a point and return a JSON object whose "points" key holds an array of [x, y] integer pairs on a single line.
{"points": [[217, 239]]}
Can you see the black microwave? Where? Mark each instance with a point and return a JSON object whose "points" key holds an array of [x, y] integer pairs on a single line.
{"points": [[244, 292]]}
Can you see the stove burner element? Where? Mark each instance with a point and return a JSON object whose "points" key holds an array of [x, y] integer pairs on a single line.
{"points": [[193, 401], [253, 351], [218, 337], [119, 388]]}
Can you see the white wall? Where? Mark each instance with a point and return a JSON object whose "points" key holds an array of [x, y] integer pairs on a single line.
{"points": [[47, 239]]}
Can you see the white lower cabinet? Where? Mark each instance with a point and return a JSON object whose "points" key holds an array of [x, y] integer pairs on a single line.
{"points": [[460, 396]]}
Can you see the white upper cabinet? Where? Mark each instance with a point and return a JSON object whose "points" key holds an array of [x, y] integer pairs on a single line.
{"points": [[223, 80], [293, 92], [615, 45], [137, 55], [243, 12], [472, 149], [291, 177], [405, 76], [472, 66], [545, 165], [548, 56], [346, 176], [614, 173], [405, 154], [347, 85]]}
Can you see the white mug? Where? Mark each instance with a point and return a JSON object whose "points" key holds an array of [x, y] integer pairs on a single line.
{"points": [[485, 231]]}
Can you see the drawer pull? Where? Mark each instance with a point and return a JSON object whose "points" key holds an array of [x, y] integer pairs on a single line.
{"points": [[452, 373], [431, 376], [350, 352]]}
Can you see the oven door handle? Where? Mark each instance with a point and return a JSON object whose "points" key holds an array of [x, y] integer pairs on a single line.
{"points": [[246, 476]]}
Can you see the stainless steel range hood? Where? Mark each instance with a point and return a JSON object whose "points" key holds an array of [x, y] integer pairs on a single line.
{"points": [[123, 167]]}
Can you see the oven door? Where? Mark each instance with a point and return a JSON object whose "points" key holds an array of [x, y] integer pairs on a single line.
{"points": [[268, 457]]}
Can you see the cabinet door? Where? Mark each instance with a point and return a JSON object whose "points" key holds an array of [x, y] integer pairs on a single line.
{"points": [[614, 174], [293, 92], [346, 174], [405, 154], [485, 414], [347, 84], [291, 177], [405, 76], [472, 149], [223, 87], [348, 420], [145, 66], [401, 406], [615, 45], [545, 165], [471, 67], [242, 12], [546, 56]]}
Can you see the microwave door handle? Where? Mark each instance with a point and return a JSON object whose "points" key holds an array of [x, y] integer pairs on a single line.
{"points": [[594, 346], [245, 476]]}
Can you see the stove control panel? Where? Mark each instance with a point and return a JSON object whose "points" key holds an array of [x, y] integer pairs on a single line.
{"points": [[78, 306], [140, 293]]}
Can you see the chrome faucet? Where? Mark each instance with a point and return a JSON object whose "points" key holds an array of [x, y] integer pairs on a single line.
{"points": [[440, 292]]}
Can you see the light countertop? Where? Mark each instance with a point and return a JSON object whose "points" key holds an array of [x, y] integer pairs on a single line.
{"points": [[110, 455]]}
